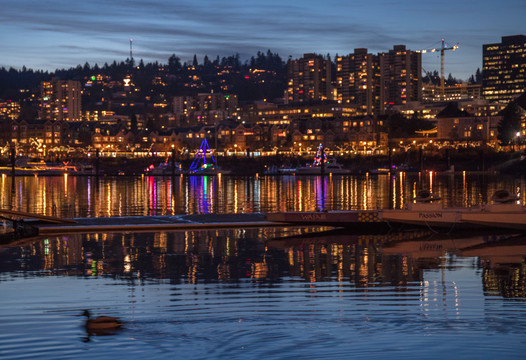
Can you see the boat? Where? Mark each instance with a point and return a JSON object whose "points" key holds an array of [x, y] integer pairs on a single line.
{"points": [[286, 170], [505, 211], [322, 165], [164, 169], [208, 169], [202, 166], [331, 166], [426, 210], [28, 167]]}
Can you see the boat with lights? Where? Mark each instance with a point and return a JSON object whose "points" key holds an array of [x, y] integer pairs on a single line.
{"points": [[29, 167], [205, 163], [322, 165]]}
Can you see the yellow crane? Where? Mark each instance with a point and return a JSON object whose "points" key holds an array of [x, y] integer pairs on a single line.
{"points": [[441, 49]]}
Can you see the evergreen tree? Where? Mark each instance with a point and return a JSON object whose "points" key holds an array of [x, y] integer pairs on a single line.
{"points": [[174, 64], [478, 76]]}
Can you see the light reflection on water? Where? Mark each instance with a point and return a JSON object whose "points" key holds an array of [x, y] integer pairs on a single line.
{"points": [[255, 294], [123, 196]]}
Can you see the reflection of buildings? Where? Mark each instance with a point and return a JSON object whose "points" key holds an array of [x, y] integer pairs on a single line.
{"points": [[231, 255], [504, 266], [358, 258]]}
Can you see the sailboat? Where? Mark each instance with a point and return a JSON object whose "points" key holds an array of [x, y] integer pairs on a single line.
{"points": [[201, 166], [330, 166]]}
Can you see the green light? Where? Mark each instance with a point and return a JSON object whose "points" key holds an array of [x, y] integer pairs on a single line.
{"points": [[93, 78]]}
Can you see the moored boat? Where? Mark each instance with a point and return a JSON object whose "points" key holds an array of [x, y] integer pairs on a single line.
{"points": [[426, 211], [505, 211], [164, 168], [331, 166]]}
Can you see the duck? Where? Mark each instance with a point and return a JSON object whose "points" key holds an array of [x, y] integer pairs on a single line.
{"points": [[101, 322]]}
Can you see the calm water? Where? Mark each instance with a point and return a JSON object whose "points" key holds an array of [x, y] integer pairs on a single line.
{"points": [[273, 293], [246, 294], [121, 196]]}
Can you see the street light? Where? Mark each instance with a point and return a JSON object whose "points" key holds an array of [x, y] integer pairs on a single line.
{"points": [[517, 140]]}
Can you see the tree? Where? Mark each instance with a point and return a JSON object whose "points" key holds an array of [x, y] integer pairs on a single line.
{"points": [[478, 76], [174, 64], [510, 124]]}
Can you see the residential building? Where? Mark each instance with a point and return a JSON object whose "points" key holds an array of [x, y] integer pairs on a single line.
{"points": [[204, 108], [357, 80], [60, 100], [457, 125], [309, 79], [504, 69], [400, 77], [9, 110]]}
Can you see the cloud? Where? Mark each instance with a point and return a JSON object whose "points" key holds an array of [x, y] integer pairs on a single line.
{"points": [[72, 33]]}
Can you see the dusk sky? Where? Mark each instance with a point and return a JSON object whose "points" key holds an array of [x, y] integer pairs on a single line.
{"points": [[62, 34]]}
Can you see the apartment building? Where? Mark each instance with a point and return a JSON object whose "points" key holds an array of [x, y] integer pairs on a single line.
{"points": [[60, 100]]}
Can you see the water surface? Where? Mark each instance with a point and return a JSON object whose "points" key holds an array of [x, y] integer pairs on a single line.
{"points": [[266, 293], [88, 196]]}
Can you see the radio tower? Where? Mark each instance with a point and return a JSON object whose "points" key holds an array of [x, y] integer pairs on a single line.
{"points": [[131, 52]]}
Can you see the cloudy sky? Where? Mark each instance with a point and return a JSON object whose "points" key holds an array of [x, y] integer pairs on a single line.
{"points": [[61, 34]]}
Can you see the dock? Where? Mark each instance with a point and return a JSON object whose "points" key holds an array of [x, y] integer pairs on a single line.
{"points": [[154, 223], [357, 221]]}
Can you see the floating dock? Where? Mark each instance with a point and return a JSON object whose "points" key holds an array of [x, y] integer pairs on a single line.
{"points": [[155, 223], [358, 221]]}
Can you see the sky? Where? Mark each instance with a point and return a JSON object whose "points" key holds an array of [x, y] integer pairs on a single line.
{"points": [[57, 34]]}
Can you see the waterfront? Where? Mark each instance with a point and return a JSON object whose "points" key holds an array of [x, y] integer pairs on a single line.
{"points": [[251, 294], [90, 196]]}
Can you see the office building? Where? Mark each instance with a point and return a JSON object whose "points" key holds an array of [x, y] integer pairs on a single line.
{"points": [[504, 69]]}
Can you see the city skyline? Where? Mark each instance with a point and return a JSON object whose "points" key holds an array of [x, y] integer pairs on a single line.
{"points": [[50, 36]]}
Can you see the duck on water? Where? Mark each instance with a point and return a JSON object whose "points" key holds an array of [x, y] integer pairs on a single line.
{"points": [[101, 322]]}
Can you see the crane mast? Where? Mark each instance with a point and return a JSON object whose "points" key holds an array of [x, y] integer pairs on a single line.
{"points": [[442, 49]]}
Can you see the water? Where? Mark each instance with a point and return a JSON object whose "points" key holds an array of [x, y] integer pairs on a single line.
{"points": [[124, 196], [251, 293], [272, 293]]}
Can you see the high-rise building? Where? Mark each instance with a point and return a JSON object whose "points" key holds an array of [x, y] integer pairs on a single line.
{"points": [[60, 100], [400, 77], [309, 79], [375, 83], [357, 80], [204, 108], [504, 69]]}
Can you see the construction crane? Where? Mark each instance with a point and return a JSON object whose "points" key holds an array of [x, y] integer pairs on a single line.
{"points": [[441, 49]]}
